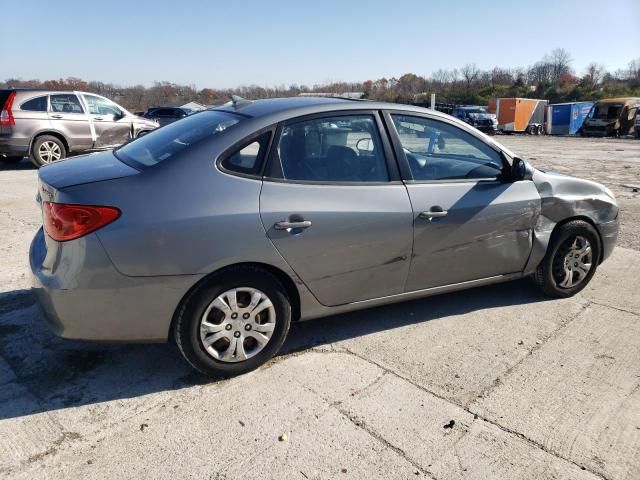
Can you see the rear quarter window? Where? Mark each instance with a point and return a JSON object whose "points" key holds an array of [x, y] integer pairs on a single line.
{"points": [[163, 143], [38, 104], [247, 158]]}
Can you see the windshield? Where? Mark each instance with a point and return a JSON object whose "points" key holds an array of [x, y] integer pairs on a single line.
{"points": [[165, 142], [474, 110], [607, 111]]}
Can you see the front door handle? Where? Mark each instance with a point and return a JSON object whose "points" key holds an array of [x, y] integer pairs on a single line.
{"points": [[98, 118], [56, 116], [436, 211], [285, 225]]}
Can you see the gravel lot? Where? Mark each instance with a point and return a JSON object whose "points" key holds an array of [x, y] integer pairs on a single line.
{"points": [[494, 383]]}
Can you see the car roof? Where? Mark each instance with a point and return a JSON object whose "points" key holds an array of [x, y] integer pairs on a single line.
{"points": [[276, 109], [259, 108]]}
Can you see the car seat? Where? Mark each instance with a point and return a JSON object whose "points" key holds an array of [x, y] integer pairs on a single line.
{"points": [[342, 164]]}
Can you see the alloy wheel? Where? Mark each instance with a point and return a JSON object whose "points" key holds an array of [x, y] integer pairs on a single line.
{"points": [[237, 324], [49, 152], [573, 262]]}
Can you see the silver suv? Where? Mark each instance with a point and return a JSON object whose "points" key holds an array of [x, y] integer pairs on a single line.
{"points": [[48, 125]]}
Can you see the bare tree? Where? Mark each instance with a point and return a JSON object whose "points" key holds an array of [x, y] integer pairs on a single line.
{"points": [[470, 73], [560, 61], [594, 74]]}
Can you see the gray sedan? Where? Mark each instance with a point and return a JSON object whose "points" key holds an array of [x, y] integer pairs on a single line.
{"points": [[223, 228]]}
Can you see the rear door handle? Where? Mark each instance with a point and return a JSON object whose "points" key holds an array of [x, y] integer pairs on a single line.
{"points": [[56, 116], [285, 225], [435, 211]]}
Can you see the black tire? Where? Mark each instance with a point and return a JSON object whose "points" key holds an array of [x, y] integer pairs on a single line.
{"points": [[38, 158], [187, 324], [11, 160], [548, 274]]}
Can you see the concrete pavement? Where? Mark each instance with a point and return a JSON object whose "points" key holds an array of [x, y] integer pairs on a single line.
{"points": [[496, 382]]}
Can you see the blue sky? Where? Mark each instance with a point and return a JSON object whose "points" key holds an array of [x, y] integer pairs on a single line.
{"points": [[226, 44]]}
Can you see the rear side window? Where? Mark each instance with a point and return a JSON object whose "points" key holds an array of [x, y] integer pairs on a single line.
{"points": [[38, 104], [163, 143], [247, 158], [65, 103], [333, 149]]}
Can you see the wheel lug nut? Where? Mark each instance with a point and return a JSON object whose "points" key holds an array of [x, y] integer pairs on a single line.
{"points": [[228, 327], [245, 316], [247, 327], [234, 315], [236, 334]]}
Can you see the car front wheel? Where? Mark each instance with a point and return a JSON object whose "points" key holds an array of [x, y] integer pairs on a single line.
{"points": [[233, 322], [571, 260]]}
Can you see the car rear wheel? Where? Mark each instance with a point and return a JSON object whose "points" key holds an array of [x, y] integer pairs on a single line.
{"points": [[47, 149], [571, 260], [233, 322]]}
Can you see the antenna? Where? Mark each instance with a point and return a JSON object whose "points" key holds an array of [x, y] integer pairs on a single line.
{"points": [[238, 101]]}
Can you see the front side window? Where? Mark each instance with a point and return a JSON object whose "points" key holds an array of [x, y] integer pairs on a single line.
{"points": [[38, 104], [436, 150], [101, 106], [163, 143], [333, 149], [65, 103]]}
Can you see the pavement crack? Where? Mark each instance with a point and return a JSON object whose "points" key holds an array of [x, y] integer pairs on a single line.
{"points": [[476, 415], [363, 426], [537, 346], [624, 310]]}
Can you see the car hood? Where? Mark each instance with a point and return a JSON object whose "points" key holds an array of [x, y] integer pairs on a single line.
{"points": [[94, 167], [482, 116], [550, 182], [144, 121]]}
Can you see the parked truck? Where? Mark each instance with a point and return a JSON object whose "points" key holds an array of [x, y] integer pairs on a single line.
{"points": [[519, 115], [567, 118], [612, 117]]}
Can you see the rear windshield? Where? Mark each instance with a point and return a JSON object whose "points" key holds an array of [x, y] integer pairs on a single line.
{"points": [[165, 142]]}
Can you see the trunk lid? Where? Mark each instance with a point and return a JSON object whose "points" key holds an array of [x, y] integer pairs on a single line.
{"points": [[94, 167]]}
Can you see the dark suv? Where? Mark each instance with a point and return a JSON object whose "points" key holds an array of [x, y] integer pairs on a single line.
{"points": [[48, 125], [166, 115], [477, 117]]}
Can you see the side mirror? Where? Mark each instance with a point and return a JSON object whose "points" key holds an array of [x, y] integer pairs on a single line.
{"points": [[521, 170], [118, 115]]}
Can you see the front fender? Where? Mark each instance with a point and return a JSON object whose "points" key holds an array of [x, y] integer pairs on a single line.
{"points": [[562, 198]]}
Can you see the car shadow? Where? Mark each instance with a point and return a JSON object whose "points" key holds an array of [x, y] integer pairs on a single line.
{"points": [[24, 164], [40, 372]]}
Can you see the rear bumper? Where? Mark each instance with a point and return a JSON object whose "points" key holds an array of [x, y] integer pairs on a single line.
{"points": [[84, 297], [11, 148], [609, 234]]}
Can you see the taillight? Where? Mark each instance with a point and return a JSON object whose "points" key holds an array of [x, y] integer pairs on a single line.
{"points": [[6, 116], [64, 222]]}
